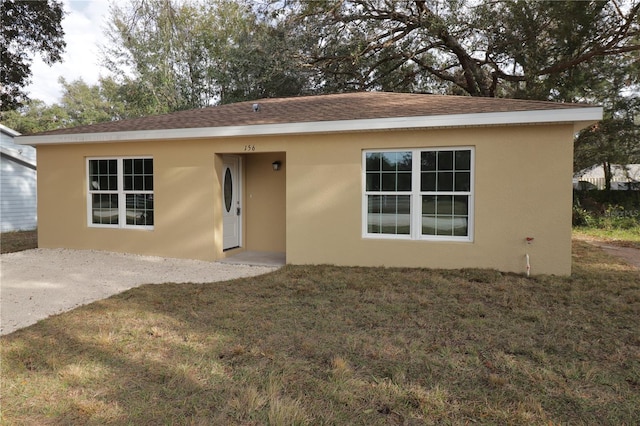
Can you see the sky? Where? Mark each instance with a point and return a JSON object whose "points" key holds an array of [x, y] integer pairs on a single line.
{"points": [[83, 25]]}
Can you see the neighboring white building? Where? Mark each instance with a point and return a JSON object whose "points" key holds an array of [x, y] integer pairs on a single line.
{"points": [[623, 177], [17, 184]]}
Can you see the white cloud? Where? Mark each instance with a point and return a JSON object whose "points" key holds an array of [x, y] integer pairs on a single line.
{"points": [[83, 25]]}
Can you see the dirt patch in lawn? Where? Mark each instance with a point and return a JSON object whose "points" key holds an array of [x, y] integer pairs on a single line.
{"points": [[18, 240], [630, 255]]}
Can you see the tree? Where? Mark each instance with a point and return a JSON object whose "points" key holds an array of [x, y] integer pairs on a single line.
{"points": [[80, 104], [28, 28], [35, 116], [264, 64], [513, 48], [615, 139], [85, 104], [611, 141], [174, 55], [613, 83], [150, 44]]}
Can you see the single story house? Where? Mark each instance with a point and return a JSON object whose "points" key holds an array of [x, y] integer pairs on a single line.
{"points": [[369, 179], [17, 184]]}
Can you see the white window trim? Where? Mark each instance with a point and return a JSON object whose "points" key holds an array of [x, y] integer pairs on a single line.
{"points": [[416, 196], [122, 212]]}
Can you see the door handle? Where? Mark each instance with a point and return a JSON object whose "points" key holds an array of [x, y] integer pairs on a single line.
{"points": [[238, 211]]}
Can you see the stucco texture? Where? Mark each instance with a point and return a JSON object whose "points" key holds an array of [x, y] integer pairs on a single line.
{"points": [[313, 207]]}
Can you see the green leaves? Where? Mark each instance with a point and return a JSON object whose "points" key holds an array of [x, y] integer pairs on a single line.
{"points": [[189, 54], [611, 141], [81, 104], [511, 49], [28, 28]]}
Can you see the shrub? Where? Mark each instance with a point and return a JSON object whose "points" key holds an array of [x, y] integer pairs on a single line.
{"points": [[581, 217], [606, 209]]}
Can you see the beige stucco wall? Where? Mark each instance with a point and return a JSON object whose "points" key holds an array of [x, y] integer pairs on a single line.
{"points": [[312, 209], [265, 202], [522, 189], [187, 199]]}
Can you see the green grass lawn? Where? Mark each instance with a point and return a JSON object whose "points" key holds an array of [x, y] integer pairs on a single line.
{"points": [[334, 345], [621, 237]]}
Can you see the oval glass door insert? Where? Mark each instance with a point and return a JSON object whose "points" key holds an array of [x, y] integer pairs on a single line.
{"points": [[228, 190]]}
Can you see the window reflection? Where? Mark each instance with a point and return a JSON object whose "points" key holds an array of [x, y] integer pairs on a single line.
{"points": [[443, 197], [104, 208], [389, 214], [445, 215], [133, 202]]}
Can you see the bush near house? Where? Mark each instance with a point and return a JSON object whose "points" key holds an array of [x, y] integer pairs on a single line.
{"points": [[606, 209], [611, 215], [628, 199]]}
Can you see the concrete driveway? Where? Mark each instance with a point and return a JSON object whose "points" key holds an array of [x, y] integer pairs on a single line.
{"points": [[35, 284]]}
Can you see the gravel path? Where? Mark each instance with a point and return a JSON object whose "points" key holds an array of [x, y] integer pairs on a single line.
{"points": [[35, 284]]}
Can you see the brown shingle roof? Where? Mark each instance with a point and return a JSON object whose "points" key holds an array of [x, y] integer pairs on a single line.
{"points": [[347, 106]]}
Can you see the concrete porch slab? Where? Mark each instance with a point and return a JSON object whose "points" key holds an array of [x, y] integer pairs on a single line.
{"points": [[256, 258]]}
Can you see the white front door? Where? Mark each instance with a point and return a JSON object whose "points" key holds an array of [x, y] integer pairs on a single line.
{"points": [[231, 202]]}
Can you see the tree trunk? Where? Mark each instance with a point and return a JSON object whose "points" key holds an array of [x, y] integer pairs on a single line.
{"points": [[606, 166]]}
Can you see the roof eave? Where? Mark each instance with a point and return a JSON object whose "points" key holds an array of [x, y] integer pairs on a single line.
{"points": [[17, 158], [554, 116], [9, 131]]}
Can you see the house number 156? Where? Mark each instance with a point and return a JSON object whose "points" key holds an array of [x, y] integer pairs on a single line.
{"points": [[249, 147]]}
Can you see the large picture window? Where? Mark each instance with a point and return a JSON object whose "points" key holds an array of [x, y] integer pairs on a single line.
{"points": [[120, 192], [419, 194]]}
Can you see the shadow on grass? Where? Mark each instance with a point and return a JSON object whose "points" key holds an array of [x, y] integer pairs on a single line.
{"points": [[324, 344], [75, 379]]}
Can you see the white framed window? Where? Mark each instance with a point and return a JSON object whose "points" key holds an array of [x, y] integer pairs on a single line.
{"points": [[120, 192], [420, 194]]}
